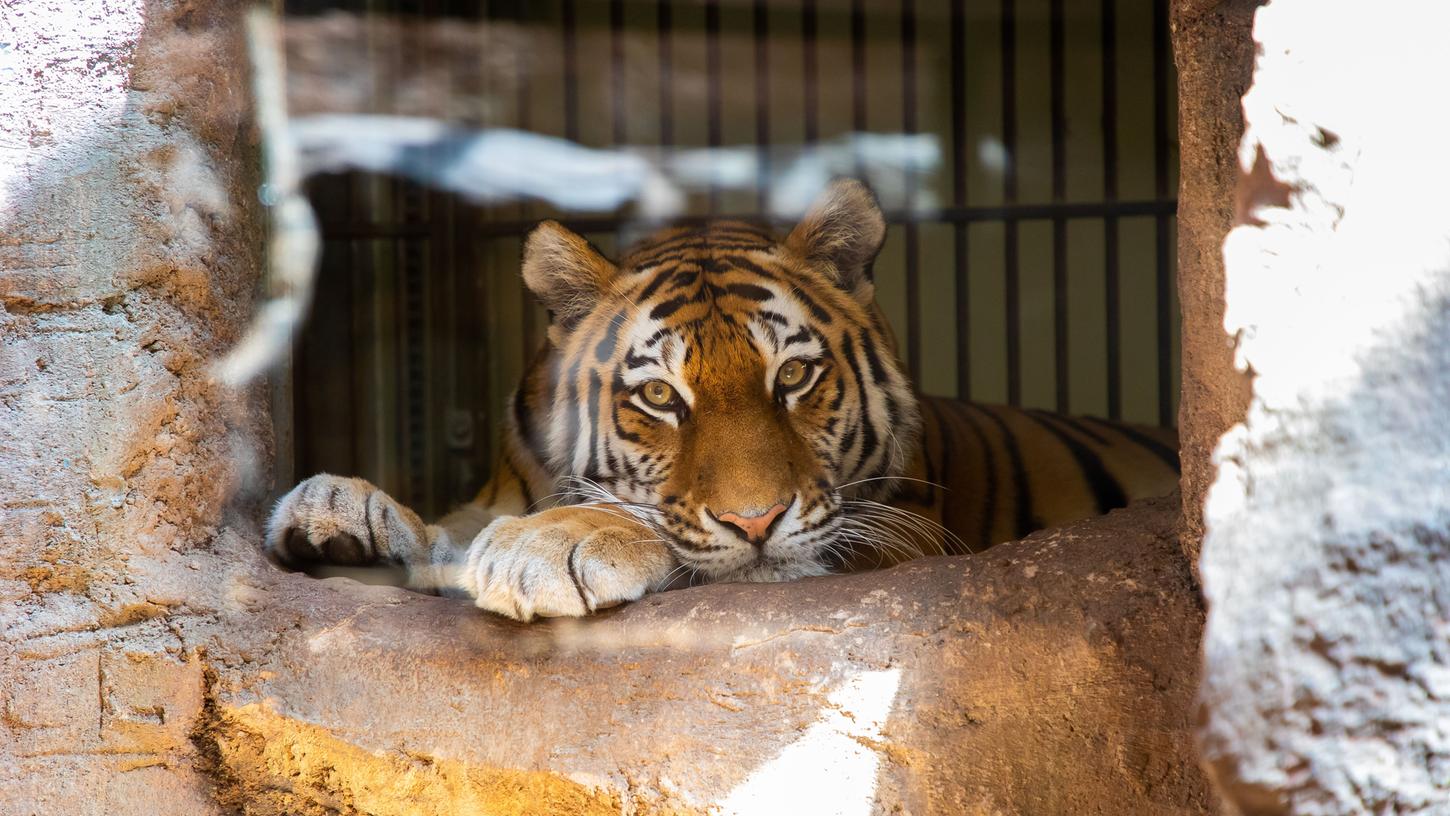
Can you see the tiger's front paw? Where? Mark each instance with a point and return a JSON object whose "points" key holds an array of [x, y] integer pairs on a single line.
{"points": [[349, 522], [568, 561]]}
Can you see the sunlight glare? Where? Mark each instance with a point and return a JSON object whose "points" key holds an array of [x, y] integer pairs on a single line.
{"points": [[830, 769]]}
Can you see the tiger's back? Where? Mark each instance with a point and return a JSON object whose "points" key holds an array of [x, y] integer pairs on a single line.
{"points": [[997, 473]]}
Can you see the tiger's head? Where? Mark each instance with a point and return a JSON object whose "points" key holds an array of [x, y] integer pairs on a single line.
{"points": [[731, 389]]}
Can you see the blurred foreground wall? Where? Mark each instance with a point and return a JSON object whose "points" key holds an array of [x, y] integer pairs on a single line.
{"points": [[1327, 561], [128, 258]]}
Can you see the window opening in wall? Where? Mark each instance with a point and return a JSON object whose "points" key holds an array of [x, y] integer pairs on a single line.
{"points": [[1025, 153]]}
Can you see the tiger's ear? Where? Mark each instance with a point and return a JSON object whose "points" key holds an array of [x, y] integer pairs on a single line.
{"points": [[844, 229], [566, 273]]}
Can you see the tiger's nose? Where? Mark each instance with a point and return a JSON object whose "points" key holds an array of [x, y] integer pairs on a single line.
{"points": [[756, 528]]}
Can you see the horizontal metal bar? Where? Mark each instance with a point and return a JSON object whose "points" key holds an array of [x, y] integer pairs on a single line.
{"points": [[373, 230], [357, 230]]}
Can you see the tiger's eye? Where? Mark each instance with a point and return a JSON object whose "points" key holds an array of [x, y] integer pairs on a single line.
{"points": [[791, 374], [659, 393]]}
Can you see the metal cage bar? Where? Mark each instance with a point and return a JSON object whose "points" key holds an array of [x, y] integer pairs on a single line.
{"points": [[664, 23], [945, 215], [760, 32], [912, 261], [568, 26], [1011, 248], [1163, 221], [714, 124], [810, 72], [619, 111], [1110, 220], [960, 247], [1057, 94]]}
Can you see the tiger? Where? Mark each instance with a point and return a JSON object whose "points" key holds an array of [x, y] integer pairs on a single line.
{"points": [[724, 404]]}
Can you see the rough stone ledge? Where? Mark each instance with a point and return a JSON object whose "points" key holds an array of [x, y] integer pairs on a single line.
{"points": [[1052, 675]]}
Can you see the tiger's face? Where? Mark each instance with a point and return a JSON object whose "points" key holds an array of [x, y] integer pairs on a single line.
{"points": [[727, 387]]}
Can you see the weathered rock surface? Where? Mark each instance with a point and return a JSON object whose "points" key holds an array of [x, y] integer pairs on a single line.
{"points": [[1327, 561], [1214, 55], [1053, 675]]}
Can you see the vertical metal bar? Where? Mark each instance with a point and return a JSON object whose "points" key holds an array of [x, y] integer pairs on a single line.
{"points": [[1161, 222], [1057, 69], [413, 260], [359, 326], [958, 84], [712, 90], [913, 244], [410, 207], [667, 90], [443, 384], [1110, 194], [524, 67], [858, 65], [484, 412], [522, 72], [350, 297], [809, 77], [471, 356], [364, 407], [474, 340], [762, 104], [1009, 197], [619, 134], [616, 71], [571, 71], [858, 75]]}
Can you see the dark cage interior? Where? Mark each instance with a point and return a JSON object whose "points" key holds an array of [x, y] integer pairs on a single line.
{"points": [[1030, 195]]}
